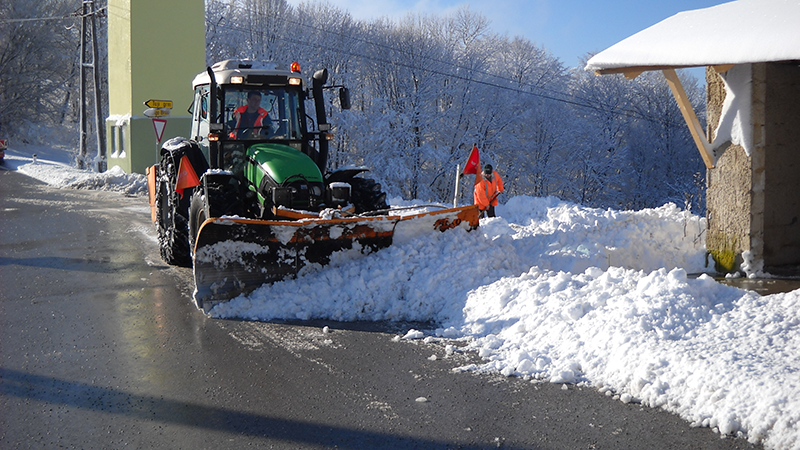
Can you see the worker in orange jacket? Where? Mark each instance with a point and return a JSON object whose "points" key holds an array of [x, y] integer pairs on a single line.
{"points": [[488, 185], [251, 119]]}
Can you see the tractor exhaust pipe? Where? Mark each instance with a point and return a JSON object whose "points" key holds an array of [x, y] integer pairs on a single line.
{"points": [[213, 147], [317, 82]]}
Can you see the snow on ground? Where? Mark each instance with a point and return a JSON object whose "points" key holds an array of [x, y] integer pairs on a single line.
{"points": [[56, 166], [555, 292]]}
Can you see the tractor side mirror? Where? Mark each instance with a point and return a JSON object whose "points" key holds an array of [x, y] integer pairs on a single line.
{"points": [[344, 98]]}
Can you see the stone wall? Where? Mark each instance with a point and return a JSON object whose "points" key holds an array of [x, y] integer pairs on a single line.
{"points": [[753, 203], [728, 189]]}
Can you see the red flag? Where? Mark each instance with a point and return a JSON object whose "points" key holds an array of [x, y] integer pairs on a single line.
{"points": [[473, 162], [187, 177]]}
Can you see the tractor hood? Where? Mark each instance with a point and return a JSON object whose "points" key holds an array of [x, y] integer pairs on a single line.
{"points": [[282, 162]]}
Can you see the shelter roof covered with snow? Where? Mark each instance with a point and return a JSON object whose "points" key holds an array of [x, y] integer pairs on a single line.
{"points": [[739, 32]]}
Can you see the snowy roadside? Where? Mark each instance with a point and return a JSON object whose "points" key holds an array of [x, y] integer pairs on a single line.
{"points": [[56, 167], [555, 292]]}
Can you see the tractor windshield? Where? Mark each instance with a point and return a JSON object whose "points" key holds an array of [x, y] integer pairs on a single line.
{"points": [[262, 114]]}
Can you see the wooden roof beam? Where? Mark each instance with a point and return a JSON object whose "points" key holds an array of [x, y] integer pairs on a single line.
{"points": [[637, 70], [689, 116], [632, 74], [634, 71], [681, 98]]}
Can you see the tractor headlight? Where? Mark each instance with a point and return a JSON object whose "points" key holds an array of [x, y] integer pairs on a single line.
{"points": [[339, 193], [282, 196]]}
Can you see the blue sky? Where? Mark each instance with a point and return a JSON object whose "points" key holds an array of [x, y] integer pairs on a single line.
{"points": [[567, 28]]}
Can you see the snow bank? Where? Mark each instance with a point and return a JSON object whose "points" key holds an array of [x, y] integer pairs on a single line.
{"points": [[555, 292], [716, 355], [61, 174]]}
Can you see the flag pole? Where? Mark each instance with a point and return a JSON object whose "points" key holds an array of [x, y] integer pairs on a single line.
{"points": [[470, 168], [455, 197]]}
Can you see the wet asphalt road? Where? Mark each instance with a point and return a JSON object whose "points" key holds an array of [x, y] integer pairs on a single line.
{"points": [[100, 347]]}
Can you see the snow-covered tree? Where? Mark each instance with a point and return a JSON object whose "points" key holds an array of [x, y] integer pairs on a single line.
{"points": [[39, 65], [424, 90]]}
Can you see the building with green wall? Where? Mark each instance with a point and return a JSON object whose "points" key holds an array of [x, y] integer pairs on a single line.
{"points": [[155, 48]]}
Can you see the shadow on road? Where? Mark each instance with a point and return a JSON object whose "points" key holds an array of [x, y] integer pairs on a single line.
{"points": [[78, 264], [378, 326], [14, 383]]}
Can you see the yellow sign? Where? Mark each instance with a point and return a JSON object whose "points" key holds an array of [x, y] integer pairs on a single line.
{"points": [[158, 104]]}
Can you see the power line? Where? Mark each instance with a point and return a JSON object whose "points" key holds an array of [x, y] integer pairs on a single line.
{"points": [[74, 15], [456, 66], [35, 19], [586, 103], [556, 96]]}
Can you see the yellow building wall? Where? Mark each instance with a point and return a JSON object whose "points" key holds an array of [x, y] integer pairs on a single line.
{"points": [[155, 48]]}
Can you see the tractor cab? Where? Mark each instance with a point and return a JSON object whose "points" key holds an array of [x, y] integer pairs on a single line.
{"points": [[249, 119], [250, 102]]}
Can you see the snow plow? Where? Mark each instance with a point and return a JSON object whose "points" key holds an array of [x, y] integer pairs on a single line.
{"points": [[249, 200]]}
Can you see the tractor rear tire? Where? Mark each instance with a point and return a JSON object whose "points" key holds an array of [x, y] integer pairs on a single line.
{"points": [[171, 222], [366, 195]]}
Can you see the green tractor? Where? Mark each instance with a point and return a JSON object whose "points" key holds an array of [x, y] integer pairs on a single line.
{"points": [[249, 199]]}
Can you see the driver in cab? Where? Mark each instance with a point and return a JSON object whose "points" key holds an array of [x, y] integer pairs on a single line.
{"points": [[251, 119]]}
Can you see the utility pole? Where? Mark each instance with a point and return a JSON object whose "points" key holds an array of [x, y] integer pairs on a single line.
{"points": [[89, 62]]}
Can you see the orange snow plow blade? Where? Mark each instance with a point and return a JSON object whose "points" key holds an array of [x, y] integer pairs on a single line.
{"points": [[234, 256]]}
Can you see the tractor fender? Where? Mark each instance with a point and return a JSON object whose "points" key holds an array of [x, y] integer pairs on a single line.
{"points": [[178, 147], [171, 196], [344, 174]]}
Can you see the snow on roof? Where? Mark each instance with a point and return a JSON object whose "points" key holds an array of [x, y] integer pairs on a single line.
{"points": [[739, 32]]}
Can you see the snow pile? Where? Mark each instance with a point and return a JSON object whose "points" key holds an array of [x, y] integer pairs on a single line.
{"points": [[426, 276], [555, 292], [114, 179], [715, 355], [57, 169]]}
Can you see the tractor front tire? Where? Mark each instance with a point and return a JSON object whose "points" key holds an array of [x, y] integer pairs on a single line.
{"points": [[197, 215], [366, 195], [223, 200]]}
